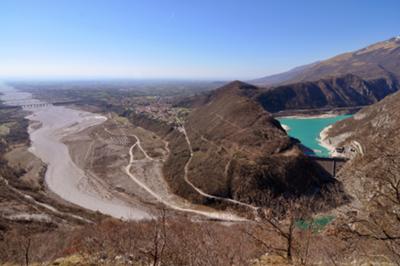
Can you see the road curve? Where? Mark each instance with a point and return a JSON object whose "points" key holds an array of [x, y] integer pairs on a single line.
{"points": [[213, 215], [198, 190]]}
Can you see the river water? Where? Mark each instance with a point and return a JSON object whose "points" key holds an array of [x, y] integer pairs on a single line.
{"points": [[308, 131], [63, 176]]}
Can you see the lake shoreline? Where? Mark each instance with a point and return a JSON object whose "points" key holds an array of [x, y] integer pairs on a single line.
{"points": [[307, 116], [324, 141], [312, 131]]}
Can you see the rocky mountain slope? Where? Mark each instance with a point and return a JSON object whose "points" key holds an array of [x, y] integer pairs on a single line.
{"points": [[374, 127], [375, 61], [372, 177], [341, 91], [282, 77], [355, 78], [239, 151]]}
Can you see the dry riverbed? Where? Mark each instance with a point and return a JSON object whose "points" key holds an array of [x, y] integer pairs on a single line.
{"points": [[64, 177], [101, 163]]}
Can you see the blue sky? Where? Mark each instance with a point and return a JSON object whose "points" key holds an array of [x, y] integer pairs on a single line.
{"points": [[205, 39]]}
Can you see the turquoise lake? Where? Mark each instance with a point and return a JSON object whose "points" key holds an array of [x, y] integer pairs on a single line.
{"points": [[307, 130]]}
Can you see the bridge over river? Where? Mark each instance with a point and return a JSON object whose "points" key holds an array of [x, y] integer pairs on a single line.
{"points": [[33, 104]]}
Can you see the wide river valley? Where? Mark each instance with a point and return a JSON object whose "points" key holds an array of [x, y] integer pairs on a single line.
{"points": [[49, 125]]}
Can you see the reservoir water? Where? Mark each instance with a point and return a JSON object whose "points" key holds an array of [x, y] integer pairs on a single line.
{"points": [[308, 130]]}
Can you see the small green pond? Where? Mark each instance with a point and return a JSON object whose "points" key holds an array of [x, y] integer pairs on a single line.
{"points": [[316, 225]]}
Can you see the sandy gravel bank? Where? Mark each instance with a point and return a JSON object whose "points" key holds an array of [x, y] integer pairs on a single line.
{"points": [[63, 176]]}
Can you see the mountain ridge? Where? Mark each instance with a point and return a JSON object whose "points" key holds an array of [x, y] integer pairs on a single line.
{"points": [[351, 79], [240, 152], [341, 91], [368, 55]]}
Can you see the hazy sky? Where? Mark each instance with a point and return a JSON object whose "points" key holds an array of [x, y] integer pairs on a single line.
{"points": [[207, 39]]}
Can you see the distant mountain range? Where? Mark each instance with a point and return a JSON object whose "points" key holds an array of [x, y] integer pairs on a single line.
{"points": [[282, 77], [374, 61], [350, 79]]}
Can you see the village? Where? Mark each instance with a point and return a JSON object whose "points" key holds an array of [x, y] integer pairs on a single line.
{"points": [[157, 108]]}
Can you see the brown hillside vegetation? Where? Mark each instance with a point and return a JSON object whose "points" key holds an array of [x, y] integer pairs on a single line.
{"points": [[239, 152], [167, 241], [373, 176]]}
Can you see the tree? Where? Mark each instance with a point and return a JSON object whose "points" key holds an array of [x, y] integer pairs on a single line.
{"points": [[26, 247], [160, 239], [281, 224], [379, 220]]}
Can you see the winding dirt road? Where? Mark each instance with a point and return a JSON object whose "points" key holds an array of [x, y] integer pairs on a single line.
{"points": [[198, 190], [173, 204]]}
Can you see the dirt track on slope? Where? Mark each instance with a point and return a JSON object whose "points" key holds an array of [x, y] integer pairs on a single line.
{"points": [[129, 160]]}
